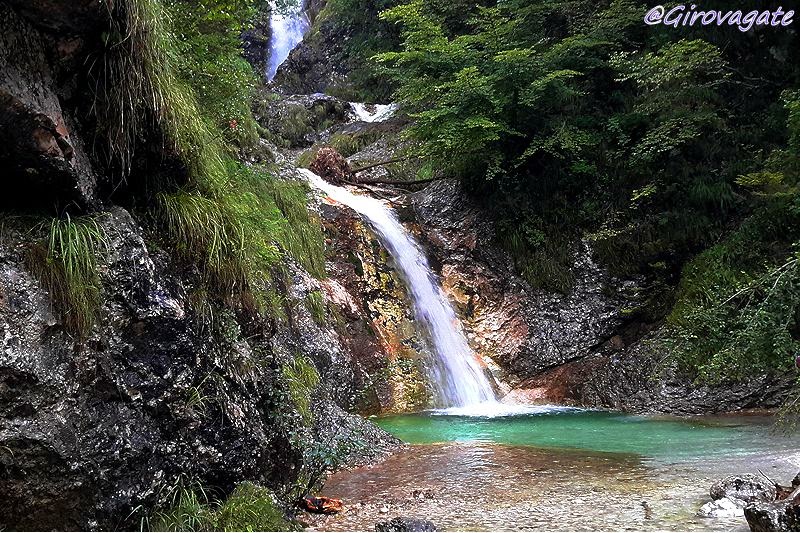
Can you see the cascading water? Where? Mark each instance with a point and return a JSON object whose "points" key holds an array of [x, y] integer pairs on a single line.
{"points": [[288, 26], [457, 376]]}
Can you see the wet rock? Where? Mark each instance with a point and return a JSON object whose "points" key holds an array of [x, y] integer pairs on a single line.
{"points": [[526, 331], [773, 516], [295, 121], [402, 523], [388, 356], [744, 487], [91, 431], [722, 508], [576, 348]]}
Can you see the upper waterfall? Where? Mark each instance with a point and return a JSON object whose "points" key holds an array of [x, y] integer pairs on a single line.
{"points": [[288, 25], [457, 376]]}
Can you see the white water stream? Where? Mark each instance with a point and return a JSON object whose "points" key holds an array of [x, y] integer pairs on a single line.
{"points": [[288, 25], [457, 376]]}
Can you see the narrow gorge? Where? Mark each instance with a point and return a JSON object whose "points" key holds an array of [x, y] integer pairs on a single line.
{"points": [[336, 265]]}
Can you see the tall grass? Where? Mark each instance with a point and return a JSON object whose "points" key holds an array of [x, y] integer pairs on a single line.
{"points": [[66, 264], [315, 302], [138, 88], [226, 219]]}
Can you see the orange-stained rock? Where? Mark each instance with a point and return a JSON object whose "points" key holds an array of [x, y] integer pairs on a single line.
{"points": [[322, 504]]}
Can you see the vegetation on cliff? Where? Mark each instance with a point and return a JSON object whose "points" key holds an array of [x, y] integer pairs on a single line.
{"points": [[672, 150]]}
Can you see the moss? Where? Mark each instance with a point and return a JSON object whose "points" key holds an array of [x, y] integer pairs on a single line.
{"points": [[349, 144], [66, 265]]}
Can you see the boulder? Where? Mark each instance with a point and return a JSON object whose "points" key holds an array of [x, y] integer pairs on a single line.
{"points": [[296, 121], [404, 523], [773, 516], [722, 508], [745, 487], [796, 480]]}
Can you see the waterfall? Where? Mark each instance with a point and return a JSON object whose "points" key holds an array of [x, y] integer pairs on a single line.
{"points": [[287, 25], [457, 376]]}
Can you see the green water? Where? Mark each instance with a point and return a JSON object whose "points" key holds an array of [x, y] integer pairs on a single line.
{"points": [[659, 438]]}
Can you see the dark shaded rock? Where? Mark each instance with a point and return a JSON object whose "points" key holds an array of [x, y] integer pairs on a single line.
{"points": [[796, 480], [404, 523], [91, 431], [65, 16], [312, 67], [773, 516], [637, 379], [42, 160], [256, 43]]}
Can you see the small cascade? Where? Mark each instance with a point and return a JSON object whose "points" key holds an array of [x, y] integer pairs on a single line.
{"points": [[457, 376], [372, 112], [288, 25]]}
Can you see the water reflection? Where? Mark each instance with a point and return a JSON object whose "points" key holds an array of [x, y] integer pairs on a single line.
{"points": [[497, 487]]}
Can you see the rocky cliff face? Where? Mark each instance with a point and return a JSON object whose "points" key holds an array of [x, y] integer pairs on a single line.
{"points": [[94, 429], [584, 347], [581, 347]]}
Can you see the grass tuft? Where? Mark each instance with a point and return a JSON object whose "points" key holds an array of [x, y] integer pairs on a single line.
{"points": [[302, 378], [315, 303], [248, 508], [66, 265]]}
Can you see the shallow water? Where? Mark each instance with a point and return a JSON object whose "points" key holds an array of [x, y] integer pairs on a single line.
{"points": [[586, 470]]}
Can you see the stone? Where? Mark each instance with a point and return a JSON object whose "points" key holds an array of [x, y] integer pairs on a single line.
{"points": [[796, 480], [722, 508], [773, 516], [745, 487], [404, 523]]}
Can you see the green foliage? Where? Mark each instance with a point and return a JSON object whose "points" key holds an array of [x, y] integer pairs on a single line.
{"points": [[139, 87], [226, 219], [66, 265], [674, 153], [186, 510], [738, 310], [315, 302], [302, 378], [248, 508], [209, 43], [349, 144], [251, 508], [234, 236], [738, 306]]}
